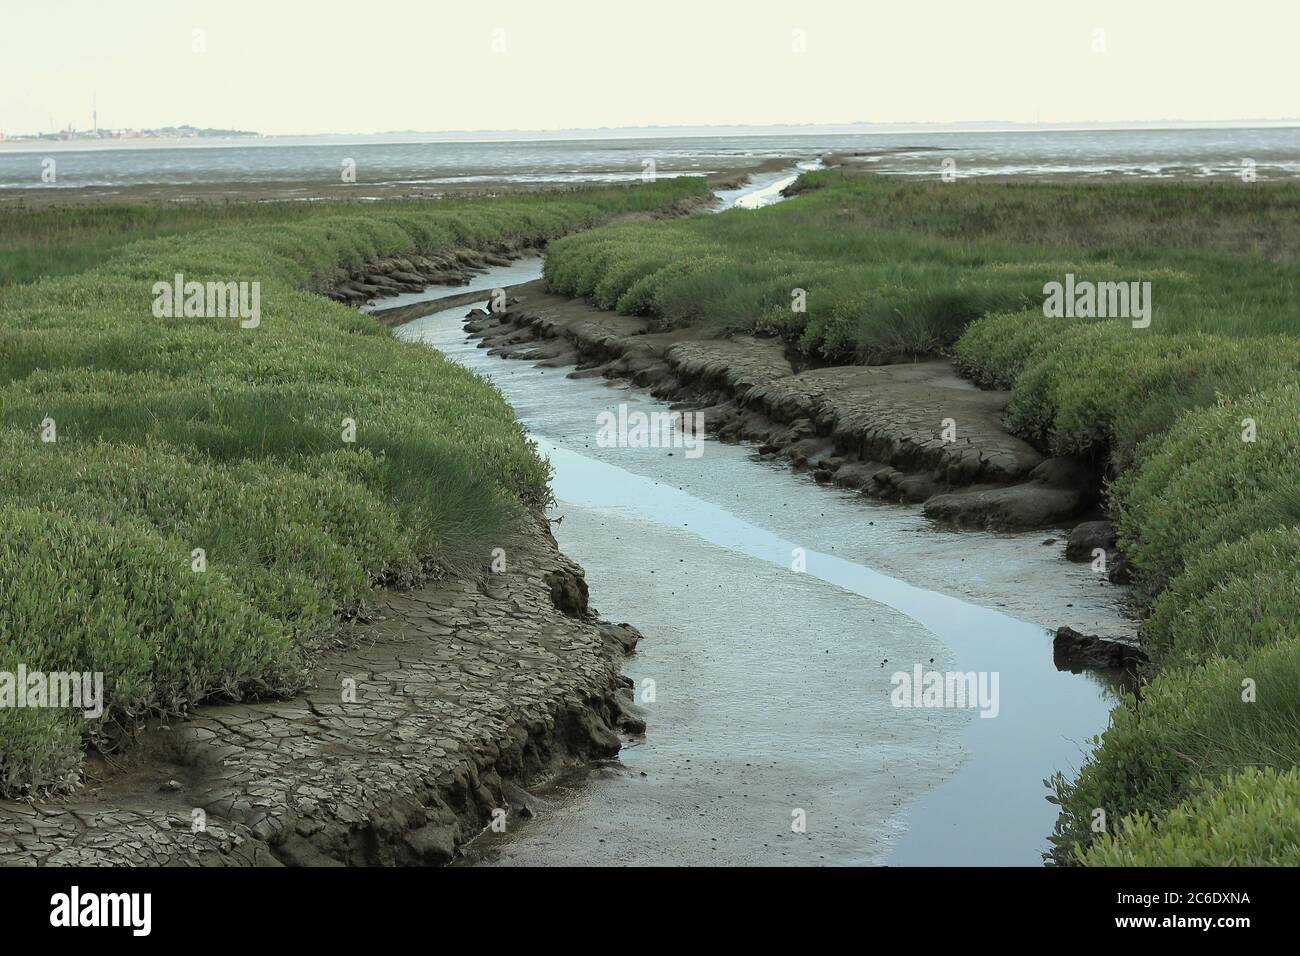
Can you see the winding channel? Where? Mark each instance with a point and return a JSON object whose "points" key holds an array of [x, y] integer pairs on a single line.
{"points": [[772, 737]]}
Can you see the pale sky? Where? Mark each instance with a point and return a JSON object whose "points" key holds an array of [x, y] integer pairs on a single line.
{"points": [[317, 66]]}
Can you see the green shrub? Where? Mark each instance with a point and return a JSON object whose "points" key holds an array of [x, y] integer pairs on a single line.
{"points": [[1105, 386], [40, 749], [995, 348], [1229, 602], [1249, 819], [1191, 722], [83, 595], [1200, 484]]}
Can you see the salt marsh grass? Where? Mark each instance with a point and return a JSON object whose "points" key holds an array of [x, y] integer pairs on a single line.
{"points": [[183, 507]]}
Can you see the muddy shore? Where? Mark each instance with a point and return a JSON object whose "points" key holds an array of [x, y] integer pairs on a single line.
{"points": [[447, 703], [911, 432]]}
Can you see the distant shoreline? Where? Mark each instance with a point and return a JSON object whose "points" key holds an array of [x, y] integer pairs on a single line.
{"points": [[636, 133]]}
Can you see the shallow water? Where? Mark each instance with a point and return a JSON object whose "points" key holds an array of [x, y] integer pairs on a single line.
{"points": [[772, 686], [434, 162], [518, 272], [762, 189]]}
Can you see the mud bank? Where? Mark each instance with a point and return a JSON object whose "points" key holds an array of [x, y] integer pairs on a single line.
{"points": [[911, 432], [390, 275], [449, 701]]}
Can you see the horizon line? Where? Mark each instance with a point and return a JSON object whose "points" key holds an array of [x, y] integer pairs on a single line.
{"points": [[863, 126]]}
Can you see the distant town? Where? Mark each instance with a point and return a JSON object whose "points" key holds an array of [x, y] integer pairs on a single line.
{"points": [[95, 133]]}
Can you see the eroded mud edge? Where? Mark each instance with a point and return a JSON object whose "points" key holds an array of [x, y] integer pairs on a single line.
{"points": [[872, 429], [467, 693]]}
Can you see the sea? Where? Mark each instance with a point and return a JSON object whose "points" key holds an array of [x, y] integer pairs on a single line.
{"points": [[422, 160]]}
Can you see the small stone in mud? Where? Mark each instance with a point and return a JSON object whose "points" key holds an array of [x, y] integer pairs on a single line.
{"points": [[1088, 537], [1072, 650]]}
